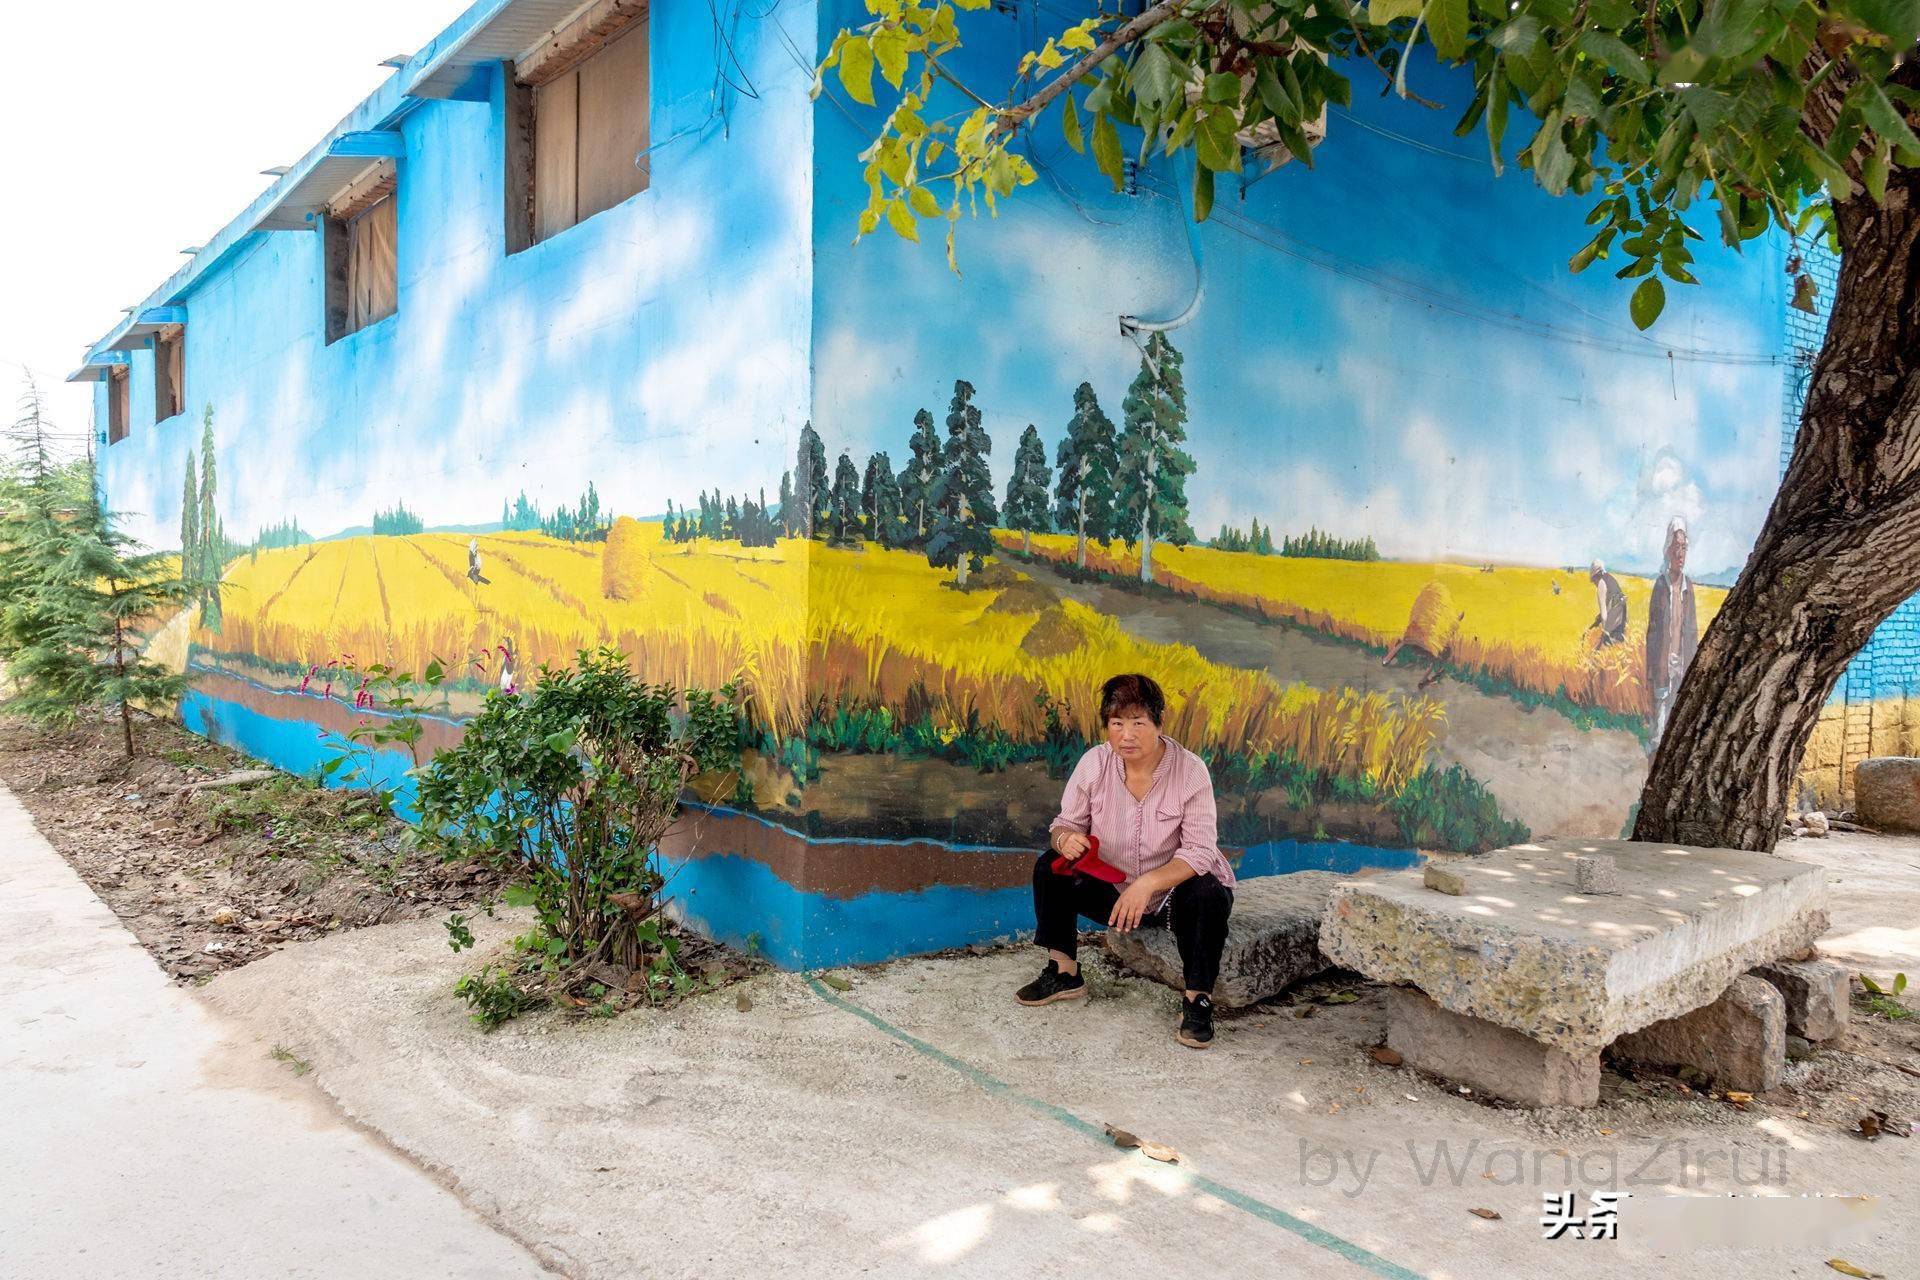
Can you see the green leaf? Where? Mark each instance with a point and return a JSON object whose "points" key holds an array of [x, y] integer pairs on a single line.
{"points": [[561, 742], [1070, 125], [856, 69], [925, 203], [1616, 54], [1273, 93], [1709, 107], [1447, 27], [1552, 163], [1885, 117], [1381, 12], [517, 895], [1202, 192], [1897, 19], [1496, 112], [1873, 173], [1519, 37], [1648, 301], [1222, 87], [1154, 78], [1106, 151], [1216, 144]]}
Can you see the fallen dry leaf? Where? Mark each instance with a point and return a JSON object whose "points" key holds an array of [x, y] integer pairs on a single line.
{"points": [[1122, 1139], [837, 982], [742, 1003], [1154, 1151], [1488, 1214], [1846, 1268], [1384, 1056], [1306, 1011]]}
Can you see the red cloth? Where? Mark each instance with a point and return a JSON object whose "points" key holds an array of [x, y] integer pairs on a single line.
{"points": [[1089, 863]]}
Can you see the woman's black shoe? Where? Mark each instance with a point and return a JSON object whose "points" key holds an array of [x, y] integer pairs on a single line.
{"points": [[1196, 1022], [1052, 985]]}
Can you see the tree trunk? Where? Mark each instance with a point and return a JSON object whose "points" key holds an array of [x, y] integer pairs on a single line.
{"points": [[1840, 550], [1146, 548], [1026, 542], [1080, 513]]}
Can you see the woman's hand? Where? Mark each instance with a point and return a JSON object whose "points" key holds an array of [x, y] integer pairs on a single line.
{"points": [[1132, 905], [1069, 844]]}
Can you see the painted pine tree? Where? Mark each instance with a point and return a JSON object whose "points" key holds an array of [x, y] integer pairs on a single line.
{"points": [[960, 536], [1150, 488], [810, 483], [843, 504], [788, 524], [918, 476], [1086, 460], [1026, 508], [880, 501]]}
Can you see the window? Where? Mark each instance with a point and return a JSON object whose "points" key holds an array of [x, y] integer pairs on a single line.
{"points": [[579, 124], [362, 232], [118, 401], [169, 372]]}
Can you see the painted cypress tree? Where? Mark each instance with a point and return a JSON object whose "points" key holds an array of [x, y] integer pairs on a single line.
{"points": [[917, 478], [810, 483], [961, 535], [843, 504], [1026, 508], [190, 525], [213, 552], [1086, 462], [666, 523], [786, 504], [1151, 480]]}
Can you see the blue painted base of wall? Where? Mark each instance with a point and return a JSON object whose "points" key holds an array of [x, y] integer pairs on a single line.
{"points": [[741, 901]]}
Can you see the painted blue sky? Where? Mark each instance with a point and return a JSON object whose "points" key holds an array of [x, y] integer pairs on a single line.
{"points": [[1389, 344]]}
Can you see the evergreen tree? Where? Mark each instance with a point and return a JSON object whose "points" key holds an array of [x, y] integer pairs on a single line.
{"points": [[190, 525], [666, 522], [880, 499], [843, 504], [961, 503], [917, 479], [732, 529], [787, 527], [1026, 508], [1151, 478], [76, 594], [1086, 462], [212, 560], [810, 483]]}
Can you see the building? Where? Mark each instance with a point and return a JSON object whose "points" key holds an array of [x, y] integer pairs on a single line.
{"points": [[528, 353]]}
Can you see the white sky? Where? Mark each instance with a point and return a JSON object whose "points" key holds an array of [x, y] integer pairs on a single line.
{"points": [[134, 128]]}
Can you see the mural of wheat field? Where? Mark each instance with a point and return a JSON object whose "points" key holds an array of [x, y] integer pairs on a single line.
{"points": [[1507, 623], [805, 631]]}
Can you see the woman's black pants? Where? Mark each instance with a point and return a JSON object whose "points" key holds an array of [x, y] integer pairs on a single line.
{"points": [[1196, 911]]}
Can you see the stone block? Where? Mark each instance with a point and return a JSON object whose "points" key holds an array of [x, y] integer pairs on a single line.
{"points": [[1486, 1057], [1596, 874], [1886, 792], [1818, 995], [1523, 949], [1443, 879], [1272, 940], [1740, 1040]]}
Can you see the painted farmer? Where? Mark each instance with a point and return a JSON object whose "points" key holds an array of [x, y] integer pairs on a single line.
{"points": [[1611, 621], [1673, 632], [1135, 847]]}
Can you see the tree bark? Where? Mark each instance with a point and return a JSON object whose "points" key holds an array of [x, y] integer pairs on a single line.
{"points": [[1840, 550]]}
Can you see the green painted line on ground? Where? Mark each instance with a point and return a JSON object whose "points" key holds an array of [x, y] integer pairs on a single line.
{"points": [[1359, 1255]]}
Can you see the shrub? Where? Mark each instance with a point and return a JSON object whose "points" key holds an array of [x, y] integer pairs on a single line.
{"points": [[572, 785], [624, 562]]}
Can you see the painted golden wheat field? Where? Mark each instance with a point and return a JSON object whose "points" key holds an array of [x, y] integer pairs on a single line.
{"points": [[1507, 622], [804, 629]]}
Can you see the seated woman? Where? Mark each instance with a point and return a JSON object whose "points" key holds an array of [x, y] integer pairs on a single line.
{"points": [[1149, 803]]}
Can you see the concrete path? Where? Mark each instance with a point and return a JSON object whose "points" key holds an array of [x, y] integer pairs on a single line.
{"points": [[135, 1140]]}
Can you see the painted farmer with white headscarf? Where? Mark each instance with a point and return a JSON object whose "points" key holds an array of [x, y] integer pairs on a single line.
{"points": [[1673, 631]]}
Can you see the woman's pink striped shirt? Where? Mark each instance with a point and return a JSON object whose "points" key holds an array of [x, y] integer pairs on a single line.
{"points": [[1177, 819]]}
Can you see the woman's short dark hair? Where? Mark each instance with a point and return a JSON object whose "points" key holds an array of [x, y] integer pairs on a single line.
{"points": [[1123, 693]]}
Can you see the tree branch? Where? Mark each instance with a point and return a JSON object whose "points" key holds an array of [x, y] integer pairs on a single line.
{"points": [[1013, 117]]}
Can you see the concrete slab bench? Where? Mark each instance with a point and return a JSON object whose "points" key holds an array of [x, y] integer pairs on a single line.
{"points": [[1273, 940], [1519, 951]]}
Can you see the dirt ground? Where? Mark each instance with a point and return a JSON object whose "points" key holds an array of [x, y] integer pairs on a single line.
{"points": [[922, 1123], [212, 879]]}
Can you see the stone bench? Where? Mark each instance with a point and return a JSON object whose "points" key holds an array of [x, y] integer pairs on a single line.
{"points": [[1536, 978], [1273, 940]]}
